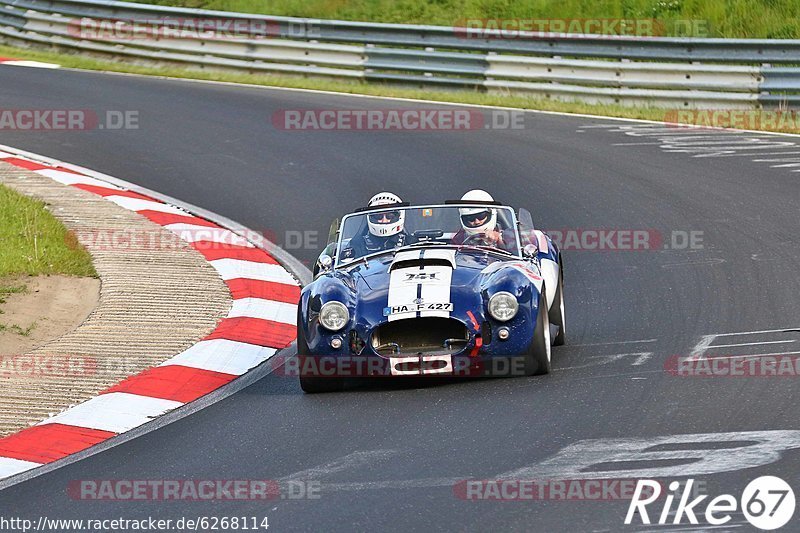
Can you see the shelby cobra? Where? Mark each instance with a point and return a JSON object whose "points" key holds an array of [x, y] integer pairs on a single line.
{"points": [[461, 288]]}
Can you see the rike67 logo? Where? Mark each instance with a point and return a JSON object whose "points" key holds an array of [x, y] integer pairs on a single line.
{"points": [[767, 503]]}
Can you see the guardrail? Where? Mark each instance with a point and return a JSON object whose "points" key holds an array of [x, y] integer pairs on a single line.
{"points": [[653, 71]]}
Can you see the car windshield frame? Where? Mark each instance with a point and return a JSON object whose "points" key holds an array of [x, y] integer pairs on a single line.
{"points": [[366, 212]]}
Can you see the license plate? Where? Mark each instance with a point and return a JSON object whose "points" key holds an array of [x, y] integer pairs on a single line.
{"points": [[415, 308]]}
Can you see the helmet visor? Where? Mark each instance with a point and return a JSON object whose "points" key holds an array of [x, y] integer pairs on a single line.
{"points": [[384, 217], [474, 220]]}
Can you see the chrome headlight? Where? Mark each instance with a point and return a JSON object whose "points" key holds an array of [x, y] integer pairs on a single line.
{"points": [[503, 306], [334, 316]]}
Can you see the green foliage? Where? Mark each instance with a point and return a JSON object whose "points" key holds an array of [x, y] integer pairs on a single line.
{"points": [[709, 18], [33, 241]]}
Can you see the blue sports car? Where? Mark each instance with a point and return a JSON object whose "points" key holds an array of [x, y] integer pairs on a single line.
{"points": [[462, 288]]}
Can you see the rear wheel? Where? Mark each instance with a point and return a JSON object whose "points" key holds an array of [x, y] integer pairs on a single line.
{"points": [[537, 360], [309, 383], [557, 314]]}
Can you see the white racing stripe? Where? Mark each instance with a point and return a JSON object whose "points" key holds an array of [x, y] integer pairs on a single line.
{"points": [[430, 283], [222, 355], [402, 292], [117, 412], [265, 310], [437, 291]]}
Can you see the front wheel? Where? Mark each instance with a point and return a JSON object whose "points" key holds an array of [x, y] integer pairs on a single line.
{"points": [[537, 360]]}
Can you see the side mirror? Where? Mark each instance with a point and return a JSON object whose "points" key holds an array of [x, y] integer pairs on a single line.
{"points": [[530, 251]]}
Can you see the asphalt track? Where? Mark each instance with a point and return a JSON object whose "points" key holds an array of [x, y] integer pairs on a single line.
{"points": [[388, 456]]}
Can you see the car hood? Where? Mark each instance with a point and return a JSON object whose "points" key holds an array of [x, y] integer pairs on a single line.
{"points": [[420, 275]]}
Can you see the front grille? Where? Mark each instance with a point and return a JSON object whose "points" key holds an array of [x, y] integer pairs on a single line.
{"points": [[429, 335]]}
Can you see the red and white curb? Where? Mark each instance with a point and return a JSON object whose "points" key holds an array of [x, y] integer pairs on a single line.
{"points": [[261, 321], [10, 61]]}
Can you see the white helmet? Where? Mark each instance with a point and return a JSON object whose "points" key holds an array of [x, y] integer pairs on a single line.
{"points": [[471, 215], [385, 223]]}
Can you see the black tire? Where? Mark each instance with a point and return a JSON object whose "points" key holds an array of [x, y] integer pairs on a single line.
{"points": [[313, 384], [537, 360], [557, 314]]}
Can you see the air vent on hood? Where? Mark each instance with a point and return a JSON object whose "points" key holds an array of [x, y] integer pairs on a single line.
{"points": [[426, 257], [417, 263]]}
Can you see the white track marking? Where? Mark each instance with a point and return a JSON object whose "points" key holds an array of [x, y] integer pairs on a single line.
{"points": [[10, 467], [392, 484], [70, 178], [783, 330], [712, 357], [195, 233], [265, 310], [702, 347], [642, 359], [704, 142], [137, 204], [29, 64], [118, 412], [613, 343], [750, 344], [758, 448], [237, 268], [706, 341], [222, 355], [348, 462], [599, 360]]}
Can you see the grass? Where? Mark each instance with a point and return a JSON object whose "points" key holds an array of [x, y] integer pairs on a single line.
{"points": [[771, 19], [18, 330], [33, 242], [359, 87], [6, 290]]}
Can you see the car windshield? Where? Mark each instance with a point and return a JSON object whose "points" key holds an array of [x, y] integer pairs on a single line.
{"points": [[486, 226]]}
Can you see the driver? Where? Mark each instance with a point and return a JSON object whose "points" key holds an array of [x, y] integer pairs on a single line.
{"points": [[386, 229], [479, 223]]}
